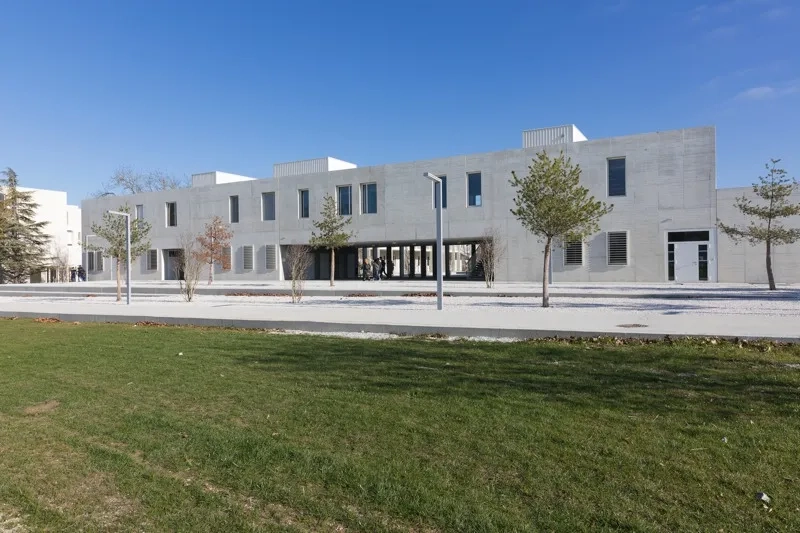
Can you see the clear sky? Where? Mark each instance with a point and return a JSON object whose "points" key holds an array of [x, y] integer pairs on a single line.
{"points": [[193, 86]]}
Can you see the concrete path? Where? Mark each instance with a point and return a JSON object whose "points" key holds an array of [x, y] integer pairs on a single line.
{"points": [[479, 322]]}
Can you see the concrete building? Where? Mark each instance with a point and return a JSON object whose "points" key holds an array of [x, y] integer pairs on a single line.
{"points": [[662, 228], [63, 229]]}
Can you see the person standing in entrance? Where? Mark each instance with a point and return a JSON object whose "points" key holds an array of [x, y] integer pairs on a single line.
{"points": [[389, 268], [376, 270]]}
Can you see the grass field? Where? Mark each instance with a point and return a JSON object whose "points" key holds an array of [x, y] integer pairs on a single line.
{"points": [[117, 427]]}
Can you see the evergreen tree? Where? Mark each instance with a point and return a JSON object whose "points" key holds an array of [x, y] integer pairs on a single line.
{"points": [[330, 233], [765, 226], [112, 230], [23, 241], [552, 204]]}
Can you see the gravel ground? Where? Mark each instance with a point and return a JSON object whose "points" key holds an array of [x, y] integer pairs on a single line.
{"points": [[462, 304]]}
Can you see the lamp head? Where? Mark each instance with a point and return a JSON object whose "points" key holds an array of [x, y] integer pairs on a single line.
{"points": [[431, 177]]}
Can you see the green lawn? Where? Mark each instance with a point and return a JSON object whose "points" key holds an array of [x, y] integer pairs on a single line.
{"points": [[252, 431]]}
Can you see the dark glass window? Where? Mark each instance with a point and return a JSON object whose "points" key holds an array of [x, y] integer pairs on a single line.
{"points": [[702, 261], [687, 236], [671, 262], [369, 198], [474, 189], [616, 177], [304, 203], [444, 193], [234, 209], [345, 194], [268, 205], [172, 214]]}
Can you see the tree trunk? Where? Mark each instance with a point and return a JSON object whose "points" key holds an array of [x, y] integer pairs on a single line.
{"points": [[546, 274], [333, 262], [119, 281], [770, 275], [210, 272]]}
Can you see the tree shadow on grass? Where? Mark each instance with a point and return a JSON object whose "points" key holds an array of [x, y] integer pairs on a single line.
{"points": [[657, 379]]}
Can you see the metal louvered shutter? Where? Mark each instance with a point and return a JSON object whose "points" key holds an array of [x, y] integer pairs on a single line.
{"points": [[573, 253], [152, 259], [271, 257], [617, 247], [227, 260], [247, 257]]}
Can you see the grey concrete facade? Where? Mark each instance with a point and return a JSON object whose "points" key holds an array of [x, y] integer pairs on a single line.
{"points": [[670, 181]]}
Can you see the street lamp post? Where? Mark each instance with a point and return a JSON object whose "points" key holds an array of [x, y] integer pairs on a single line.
{"points": [[127, 252], [437, 186]]}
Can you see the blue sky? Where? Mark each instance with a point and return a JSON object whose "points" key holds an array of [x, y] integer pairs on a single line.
{"points": [[193, 86]]}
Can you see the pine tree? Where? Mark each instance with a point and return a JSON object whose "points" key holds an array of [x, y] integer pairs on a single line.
{"points": [[331, 232], [552, 204], [112, 230], [23, 241], [212, 243], [775, 189]]}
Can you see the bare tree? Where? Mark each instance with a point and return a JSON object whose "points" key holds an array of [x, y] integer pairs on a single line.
{"points": [[492, 250], [189, 266], [127, 180], [61, 263], [299, 259]]}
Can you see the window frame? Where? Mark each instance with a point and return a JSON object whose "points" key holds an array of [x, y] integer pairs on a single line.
{"points": [[300, 193], [624, 177], [627, 248], [566, 247], [479, 196], [233, 200], [339, 189], [90, 261], [265, 195], [167, 213], [364, 189]]}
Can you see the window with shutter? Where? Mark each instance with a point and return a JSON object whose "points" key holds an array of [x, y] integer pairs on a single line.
{"points": [[90, 261], [152, 259], [99, 261], [617, 247], [227, 260], [247, 257], [573, 253], [272, 257]]}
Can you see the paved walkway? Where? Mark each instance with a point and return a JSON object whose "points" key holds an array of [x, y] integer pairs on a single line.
{"points": [[478, 322]]}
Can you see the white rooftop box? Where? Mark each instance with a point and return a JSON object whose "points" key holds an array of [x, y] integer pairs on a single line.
{"points": [[550, 136], [310, 166]]}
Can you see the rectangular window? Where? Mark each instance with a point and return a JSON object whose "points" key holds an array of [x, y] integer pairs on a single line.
{"points": [[573, 253], [444, 192], [172, 214], [271, 257], [303, 197], [139, 212], [344, 196], [90, 261], [702, 261], [617, 247], [234, 209], [99, 261], [152, 259], [474, 189], [227, 260], [616, 177], [268, 206], [687, 236], [247, 257], [369, 198], [671, 262]]}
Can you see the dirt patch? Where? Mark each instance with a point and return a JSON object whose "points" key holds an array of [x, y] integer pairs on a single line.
{"points": [[41, 408], [47, 320], [362, 295], [11, 522], [150, 324], [631, 325], [423, 294], [91, 296]]}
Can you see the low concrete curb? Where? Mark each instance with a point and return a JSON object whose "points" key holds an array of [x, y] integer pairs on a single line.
{"points": [[348, 327]]}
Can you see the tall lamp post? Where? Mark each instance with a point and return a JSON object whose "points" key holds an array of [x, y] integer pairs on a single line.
{"points": [[127, 252], [437, 188]]}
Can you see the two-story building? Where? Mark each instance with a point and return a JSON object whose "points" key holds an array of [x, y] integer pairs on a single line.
{"points": [[662, 228]]}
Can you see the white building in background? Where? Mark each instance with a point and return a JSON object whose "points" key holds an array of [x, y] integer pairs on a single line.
{"points": [[663, 227], [63, 228]]}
